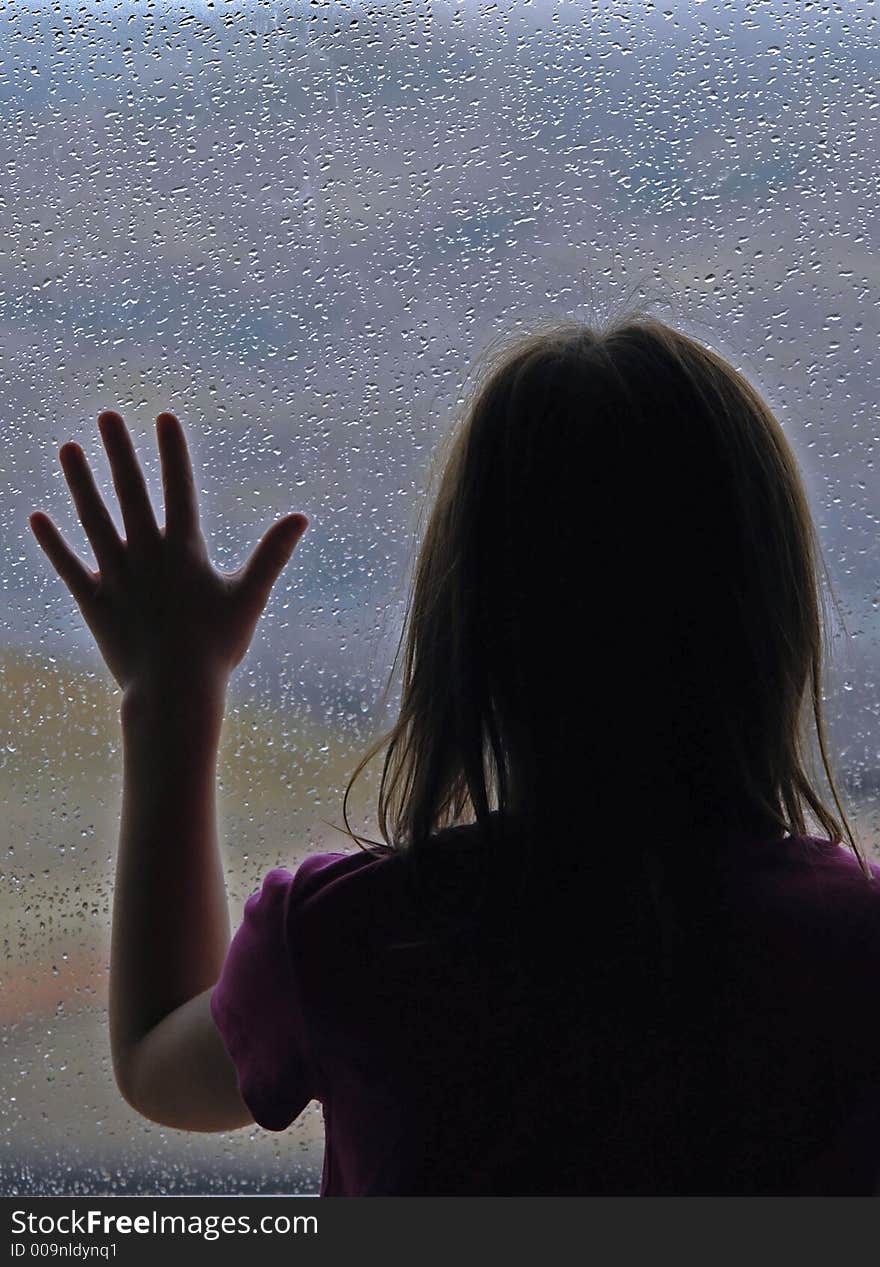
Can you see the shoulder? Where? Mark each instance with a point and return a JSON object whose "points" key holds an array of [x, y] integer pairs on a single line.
{"points": [[340, 879], [330, 897], [338, 902], [811, 859], [290, 899], [334, 876], [311, 923], [316, 874], [842, 879], [832, 868], [832, 931], [814, 885]]}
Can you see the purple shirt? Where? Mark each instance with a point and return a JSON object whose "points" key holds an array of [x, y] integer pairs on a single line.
{"points": [[444, 1068]]}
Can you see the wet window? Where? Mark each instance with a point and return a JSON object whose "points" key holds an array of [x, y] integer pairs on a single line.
{"points": [[296, 226]]}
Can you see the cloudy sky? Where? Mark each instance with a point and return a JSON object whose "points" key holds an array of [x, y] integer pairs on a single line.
{"points": [[297, 226]]}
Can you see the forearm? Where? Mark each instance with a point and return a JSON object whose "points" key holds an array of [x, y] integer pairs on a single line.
{"points": [[162, 614], [170, 930]]}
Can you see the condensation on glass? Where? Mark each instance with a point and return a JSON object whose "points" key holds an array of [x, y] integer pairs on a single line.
{"points": [[296, 226]]}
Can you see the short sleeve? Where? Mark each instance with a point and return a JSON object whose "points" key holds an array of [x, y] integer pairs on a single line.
{"points": [[257, 1007]]}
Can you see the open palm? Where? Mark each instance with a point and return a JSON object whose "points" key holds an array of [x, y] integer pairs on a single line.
{"points": [[160, 612]]}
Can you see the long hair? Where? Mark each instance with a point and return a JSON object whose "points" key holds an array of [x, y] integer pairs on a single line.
{"points": [[614, 646], [616, 612]]}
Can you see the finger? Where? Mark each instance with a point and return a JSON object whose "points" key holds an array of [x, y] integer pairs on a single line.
{"points": [[94, 515], [268, 559], [128, 479], [81, 582], [181, 503]]}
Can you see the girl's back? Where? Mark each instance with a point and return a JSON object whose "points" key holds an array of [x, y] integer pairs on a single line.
{"points": [[615, 619], [564, 1051], [615, 622]]}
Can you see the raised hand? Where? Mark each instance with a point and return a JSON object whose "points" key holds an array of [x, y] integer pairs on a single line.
{"points": [[161, 613]]}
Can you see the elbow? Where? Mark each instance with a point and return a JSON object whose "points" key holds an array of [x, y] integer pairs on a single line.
{"points": [[127, 1074], [126, 1082], [129, 1085], [128, 1088], [154, 1105]]}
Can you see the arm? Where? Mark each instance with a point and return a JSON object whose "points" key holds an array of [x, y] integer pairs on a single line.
{"points": [[171, 629], [170, 914]]}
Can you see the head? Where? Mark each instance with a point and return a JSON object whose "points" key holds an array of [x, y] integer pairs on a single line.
{"points": [[616, 611]]}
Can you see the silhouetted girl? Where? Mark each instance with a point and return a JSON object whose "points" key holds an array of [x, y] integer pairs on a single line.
{"points": [[598, 952]]}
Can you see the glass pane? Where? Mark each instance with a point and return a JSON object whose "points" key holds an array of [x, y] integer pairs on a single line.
{"points": [[296, 226]]}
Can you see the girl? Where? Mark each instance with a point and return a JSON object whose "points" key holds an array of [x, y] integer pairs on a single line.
{"points": [[596, 951]]}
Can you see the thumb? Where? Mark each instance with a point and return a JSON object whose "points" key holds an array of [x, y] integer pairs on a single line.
{"points": [[269, 558]]}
